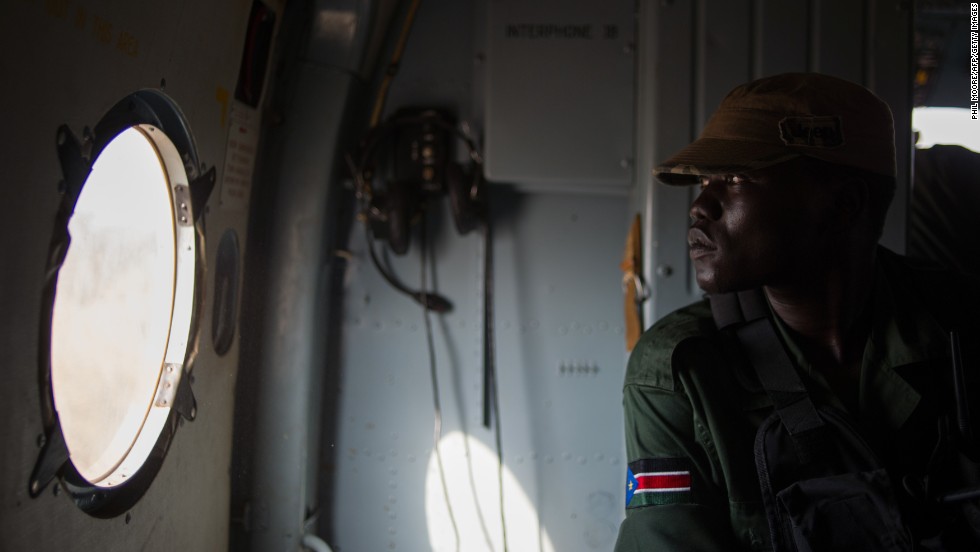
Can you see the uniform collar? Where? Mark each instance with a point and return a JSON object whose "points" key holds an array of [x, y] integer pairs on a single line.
{"points": [[903, 334]]}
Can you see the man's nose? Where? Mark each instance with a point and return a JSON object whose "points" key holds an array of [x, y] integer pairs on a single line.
{"points": [[707, 205]]}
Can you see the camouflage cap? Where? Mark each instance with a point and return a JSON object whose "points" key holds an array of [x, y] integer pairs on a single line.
{"points": [[778, 118]]}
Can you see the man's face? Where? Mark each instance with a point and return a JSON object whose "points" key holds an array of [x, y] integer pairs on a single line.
{"points": [[763, 228]]}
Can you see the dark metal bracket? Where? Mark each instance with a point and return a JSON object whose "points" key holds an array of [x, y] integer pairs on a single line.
{"points": [[201, 188], [75, 162], [184, 402], [53, 457]]}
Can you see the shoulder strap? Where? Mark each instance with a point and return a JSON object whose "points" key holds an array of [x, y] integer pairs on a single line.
{"points": [[746, 314]]}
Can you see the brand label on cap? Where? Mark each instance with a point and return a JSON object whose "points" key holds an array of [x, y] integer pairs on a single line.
{"points": [[815, 132]]}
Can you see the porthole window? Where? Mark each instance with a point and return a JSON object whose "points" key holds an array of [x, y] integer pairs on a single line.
{"points": [[118, 291], [121, 303]]}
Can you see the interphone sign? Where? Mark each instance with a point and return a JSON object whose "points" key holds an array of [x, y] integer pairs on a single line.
{"points": [[974, 59], [559, 82]]}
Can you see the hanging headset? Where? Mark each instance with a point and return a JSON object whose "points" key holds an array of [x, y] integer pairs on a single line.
{"points": [[402, 165]]}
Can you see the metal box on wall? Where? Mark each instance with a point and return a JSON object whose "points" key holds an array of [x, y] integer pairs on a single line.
{"points": [[559, 94]]}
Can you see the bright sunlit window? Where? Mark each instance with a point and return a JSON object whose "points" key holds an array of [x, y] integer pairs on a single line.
{"points": [[122, 307], [946, 125]]}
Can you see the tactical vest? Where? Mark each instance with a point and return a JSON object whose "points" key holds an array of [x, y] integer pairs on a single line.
{"points": [[822, 485]]}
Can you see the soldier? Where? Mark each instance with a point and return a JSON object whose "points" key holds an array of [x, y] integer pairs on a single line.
{"points": [[796, 173]]}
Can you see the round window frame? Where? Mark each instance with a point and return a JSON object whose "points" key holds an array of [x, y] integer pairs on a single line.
{"points": [[190, 186]]}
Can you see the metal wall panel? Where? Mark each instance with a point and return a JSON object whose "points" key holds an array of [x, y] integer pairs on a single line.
{"points": [[559, 362], [780, 36], [726, 56], [556, 266], [559, 351], [839, 37], [728, 43], [560, 80]]}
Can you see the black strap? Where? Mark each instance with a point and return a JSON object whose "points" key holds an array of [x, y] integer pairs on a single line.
{"points": [[746, 314]]}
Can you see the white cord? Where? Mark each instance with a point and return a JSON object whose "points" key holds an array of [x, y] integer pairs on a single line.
{"points": [[437, 430], [315, 543]]}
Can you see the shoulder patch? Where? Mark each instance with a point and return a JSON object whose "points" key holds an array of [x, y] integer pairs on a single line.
{"points": [[659, 481]]}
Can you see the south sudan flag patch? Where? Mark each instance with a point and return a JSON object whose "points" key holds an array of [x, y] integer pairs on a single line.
{"points": [[658, 481]]}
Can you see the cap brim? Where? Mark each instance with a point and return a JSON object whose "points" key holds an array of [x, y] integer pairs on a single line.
{"points": [[708, 156]]}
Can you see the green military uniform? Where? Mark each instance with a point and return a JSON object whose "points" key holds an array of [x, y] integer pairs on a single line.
{"points": [[693, 404]]}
